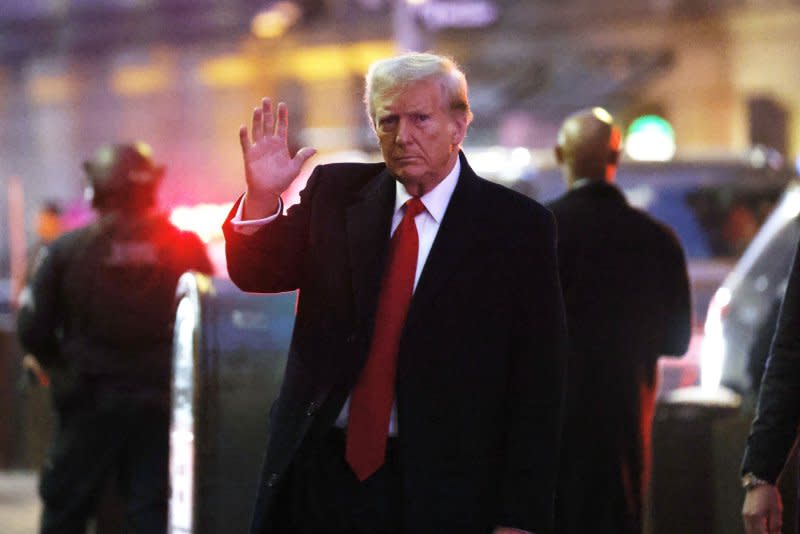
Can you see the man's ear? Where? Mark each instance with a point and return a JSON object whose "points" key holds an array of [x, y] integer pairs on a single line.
{"points": [[559, 153], [458, 128]]}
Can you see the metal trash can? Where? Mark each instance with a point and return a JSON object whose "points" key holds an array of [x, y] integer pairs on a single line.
{"points": [[228, 360]]}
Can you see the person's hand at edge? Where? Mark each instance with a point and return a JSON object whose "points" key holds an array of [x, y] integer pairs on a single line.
{"points": [[762, 510], [32, 366], [269, 169]]}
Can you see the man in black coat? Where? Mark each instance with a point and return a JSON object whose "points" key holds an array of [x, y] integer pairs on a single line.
{"points": [[626, 293], [470, 444]]}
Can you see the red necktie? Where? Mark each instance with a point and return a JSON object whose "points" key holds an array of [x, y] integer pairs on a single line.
{"points": [[371, 398]]}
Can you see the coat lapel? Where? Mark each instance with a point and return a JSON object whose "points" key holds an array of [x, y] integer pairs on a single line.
{"points": [[457, 234], [368, 222]]}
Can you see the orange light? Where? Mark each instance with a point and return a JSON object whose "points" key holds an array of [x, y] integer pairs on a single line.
{"points": [[132, 80], [227, 71], [275, 21], [335, 62]]}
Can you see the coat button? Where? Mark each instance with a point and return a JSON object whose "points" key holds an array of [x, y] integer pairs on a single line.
{"points": [[272, 479], [313, 406]]}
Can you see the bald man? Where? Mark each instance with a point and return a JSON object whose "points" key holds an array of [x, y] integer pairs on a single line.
{"points": [[627, 299]]}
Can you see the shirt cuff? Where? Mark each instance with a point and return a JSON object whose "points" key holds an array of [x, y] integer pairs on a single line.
{"points": [[251, 226]]}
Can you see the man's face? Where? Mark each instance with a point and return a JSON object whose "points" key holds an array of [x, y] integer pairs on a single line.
{"points": [[419, 138]]}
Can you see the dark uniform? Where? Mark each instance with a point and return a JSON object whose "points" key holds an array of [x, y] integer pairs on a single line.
{"points": [[99, 318]]}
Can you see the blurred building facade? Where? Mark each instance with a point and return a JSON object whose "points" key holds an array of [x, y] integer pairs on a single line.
{"points": [[183, 74]]}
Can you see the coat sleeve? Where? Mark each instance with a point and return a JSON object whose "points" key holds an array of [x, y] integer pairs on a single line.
{"points": [[677, 316], [536, 386], [271, 260], [774, 429], [39, 319]]}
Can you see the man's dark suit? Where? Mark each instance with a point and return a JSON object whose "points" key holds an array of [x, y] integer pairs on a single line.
{"points": [[480, 368], [626, 293]]}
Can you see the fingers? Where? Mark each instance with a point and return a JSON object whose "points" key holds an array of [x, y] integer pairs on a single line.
{"points": [[763, 523], [755, 525], [775, 521], [265, 125], [266, 111], [775, 512], [258, 124], [282, 126]]}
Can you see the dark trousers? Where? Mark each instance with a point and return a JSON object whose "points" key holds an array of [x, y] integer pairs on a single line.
{"points": [[98, 440], [323, 496]]}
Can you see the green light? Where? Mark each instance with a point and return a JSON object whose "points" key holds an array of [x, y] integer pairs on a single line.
{"points": [[650, 138], [652, 125]]}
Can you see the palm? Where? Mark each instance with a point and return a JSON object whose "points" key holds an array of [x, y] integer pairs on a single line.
{"points": [[268, 166]]}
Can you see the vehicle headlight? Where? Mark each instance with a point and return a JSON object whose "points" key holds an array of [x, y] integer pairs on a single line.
{"points": [[712, 350]]}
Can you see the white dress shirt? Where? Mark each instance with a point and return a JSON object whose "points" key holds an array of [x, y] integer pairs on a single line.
{"points": [[435, 201]]}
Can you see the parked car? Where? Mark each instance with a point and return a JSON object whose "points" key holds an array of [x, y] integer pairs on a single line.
{"points": [[742, 315]]}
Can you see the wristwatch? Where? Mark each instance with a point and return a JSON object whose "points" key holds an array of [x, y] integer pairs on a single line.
{"points": [[750, 481]]}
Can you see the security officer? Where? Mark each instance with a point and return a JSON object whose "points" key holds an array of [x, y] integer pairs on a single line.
{"points": [[98, 315]]}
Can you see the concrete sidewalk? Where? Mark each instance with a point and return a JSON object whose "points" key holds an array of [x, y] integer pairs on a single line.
{"points": [[19, 503]]}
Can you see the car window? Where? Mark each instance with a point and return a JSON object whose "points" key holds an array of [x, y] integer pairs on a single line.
{"points": [[770, 271], [731, 216], [711, 222]]}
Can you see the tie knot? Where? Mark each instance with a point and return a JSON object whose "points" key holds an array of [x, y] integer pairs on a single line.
{"points": [[414, 207]]}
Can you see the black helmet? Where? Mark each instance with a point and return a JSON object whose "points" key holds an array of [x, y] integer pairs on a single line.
{"points": [[123, 176]]}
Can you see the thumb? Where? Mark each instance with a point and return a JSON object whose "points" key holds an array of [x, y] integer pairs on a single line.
{"points": [[302, 155], [775, 523]]}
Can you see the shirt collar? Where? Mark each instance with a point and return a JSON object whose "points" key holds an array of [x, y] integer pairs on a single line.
{"points": [[435, 200], [581, 182]]}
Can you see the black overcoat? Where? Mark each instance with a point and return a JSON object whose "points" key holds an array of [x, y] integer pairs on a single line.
{"points": [[627, 297], [480, 371]]}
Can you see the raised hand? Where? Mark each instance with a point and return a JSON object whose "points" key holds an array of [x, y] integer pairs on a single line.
{"points": [[269, 169]]}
